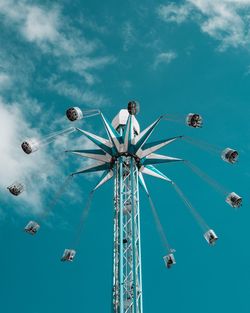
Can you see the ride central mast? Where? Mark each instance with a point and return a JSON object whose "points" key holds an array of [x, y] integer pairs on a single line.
{"points": [[127, 274]]}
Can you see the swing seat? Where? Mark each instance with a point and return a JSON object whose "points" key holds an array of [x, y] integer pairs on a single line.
{"points": [[194, 120], [211, 237], [30, 146], [133, 107], [74, 114], [68, 255], [234, 200], [32, 228], [230, 155], [169, 260], [16, 188]]}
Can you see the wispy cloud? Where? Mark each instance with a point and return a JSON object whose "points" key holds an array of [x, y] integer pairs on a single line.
{"points": [[84, 66], [52, 33], [41, 172], [15, 69], [93, 25], [15, 165], [126, 86], [76, 93], [43, 33], [174, 13], [164, 58], [36, 24], [128, 35], [5, 81], [224, 20]]}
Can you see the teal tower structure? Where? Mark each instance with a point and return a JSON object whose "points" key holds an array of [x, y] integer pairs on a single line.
{"points": [[125, 157]]}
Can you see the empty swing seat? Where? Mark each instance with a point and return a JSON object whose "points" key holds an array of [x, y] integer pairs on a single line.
{"points": [[68, 255], [16, 188], [194, 120], [211, 237], [230, 155], [234, 200], [32, 228]]}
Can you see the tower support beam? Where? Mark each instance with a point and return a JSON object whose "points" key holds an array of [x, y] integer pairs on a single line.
{"points": [[127, 288]]}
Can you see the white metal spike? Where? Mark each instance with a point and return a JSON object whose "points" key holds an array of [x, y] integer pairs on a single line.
{"points": [[152, 171], [106, 178]]}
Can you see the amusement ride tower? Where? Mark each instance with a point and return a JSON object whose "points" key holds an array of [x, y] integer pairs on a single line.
{"points": [[126, 156]]}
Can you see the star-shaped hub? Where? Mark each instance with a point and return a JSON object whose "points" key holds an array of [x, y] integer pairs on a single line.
{"points": [[125, 139]]}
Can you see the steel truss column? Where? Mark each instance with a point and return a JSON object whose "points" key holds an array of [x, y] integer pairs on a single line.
{"points": [[127, 280]]}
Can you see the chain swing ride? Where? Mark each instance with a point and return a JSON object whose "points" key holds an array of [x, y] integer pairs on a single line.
{"points": [[125, 157]]}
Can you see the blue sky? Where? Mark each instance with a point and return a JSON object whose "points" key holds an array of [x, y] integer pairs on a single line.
{"points": [[173, 57]]}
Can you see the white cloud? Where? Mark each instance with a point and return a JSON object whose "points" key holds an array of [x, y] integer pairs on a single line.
{"points": [[128, 35], [174, 13], [82, 65], [164, 58], [15, 165], [89, 98], [5, 81], [48, 31], [36, 23], [15, 70], [41, 172], [52, 33], [227, 21], [126, 86], [92, 24], [41, 25]]}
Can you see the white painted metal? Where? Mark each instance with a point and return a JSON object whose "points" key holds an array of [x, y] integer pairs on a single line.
{"points": [[151, 172], [109, 175], [162, 157], [121, 120], [98, 138], [144, 153], [99, 157]]}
